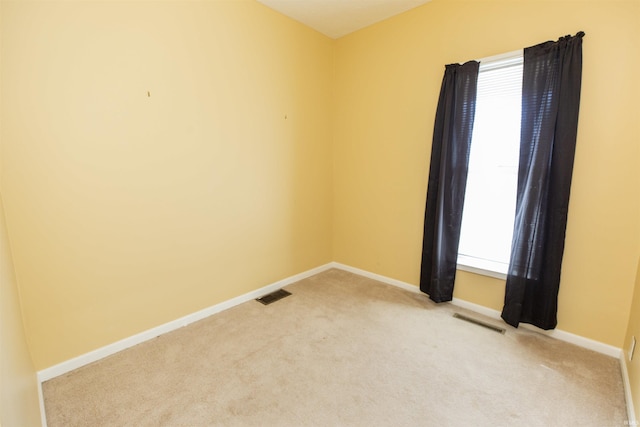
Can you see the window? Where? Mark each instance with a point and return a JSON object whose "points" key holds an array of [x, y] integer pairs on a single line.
{"points": [[490, 198]]}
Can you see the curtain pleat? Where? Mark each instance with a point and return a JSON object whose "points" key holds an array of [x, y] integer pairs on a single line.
{"points": [[448, 179], [552, 76]]}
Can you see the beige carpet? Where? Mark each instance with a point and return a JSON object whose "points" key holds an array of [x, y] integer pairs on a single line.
{"points": [[342, 350]]}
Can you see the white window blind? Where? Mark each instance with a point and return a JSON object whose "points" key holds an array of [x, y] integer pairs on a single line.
{"points": [[489, 207]]}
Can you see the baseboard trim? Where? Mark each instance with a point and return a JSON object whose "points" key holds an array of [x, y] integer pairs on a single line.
{"points": [[108, 350], [588, 343], [374, 276], [558, 334], [43, 415], [93, 356], [631, 413]]}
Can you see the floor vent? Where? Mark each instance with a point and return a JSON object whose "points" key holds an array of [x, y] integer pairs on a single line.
{"points": [[273, 296], [479, 323]]}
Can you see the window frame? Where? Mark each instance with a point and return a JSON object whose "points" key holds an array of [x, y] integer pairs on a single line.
{"points": [[469, 263]]}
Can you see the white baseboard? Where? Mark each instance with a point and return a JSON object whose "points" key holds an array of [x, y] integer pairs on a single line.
{"points": [[597, 346], [558, 334], [631, 413], [108, 350], [43, 416], [93, 356], [374, 276]]}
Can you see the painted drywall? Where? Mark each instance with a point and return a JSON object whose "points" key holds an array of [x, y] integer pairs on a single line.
{"points": [[388, 79], [159, 158], [633, 330], [19, 396]]}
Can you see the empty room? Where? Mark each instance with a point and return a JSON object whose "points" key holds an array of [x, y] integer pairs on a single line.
{"points": [[166, 167]]}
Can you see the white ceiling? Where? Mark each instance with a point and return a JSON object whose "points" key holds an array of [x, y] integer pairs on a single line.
{"points": [[336, 18]]}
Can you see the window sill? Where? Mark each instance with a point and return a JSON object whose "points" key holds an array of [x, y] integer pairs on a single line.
{"points": [[482, 267]]}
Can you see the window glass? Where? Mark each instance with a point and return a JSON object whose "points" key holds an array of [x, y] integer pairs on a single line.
{"points": [[490, 199]]}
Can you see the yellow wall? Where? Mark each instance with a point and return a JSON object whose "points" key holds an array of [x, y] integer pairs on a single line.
{"points": [[19, 402], [159, 158], [387, 83]]}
